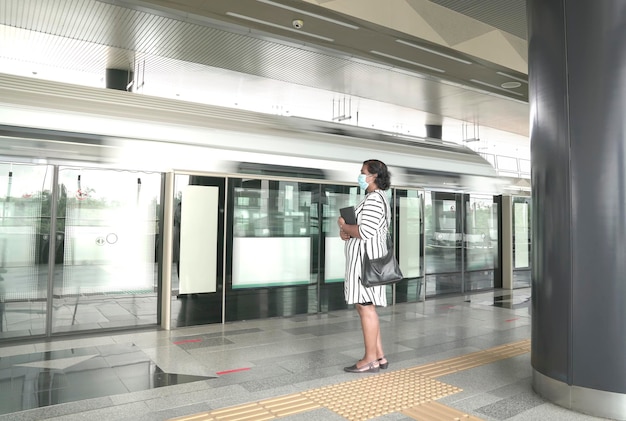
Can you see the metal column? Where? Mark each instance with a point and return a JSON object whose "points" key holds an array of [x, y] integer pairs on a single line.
{"points": [[577, 77]]}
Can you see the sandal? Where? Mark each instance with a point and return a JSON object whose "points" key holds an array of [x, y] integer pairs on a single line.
{"points": [[371, 367], [381, 364]]}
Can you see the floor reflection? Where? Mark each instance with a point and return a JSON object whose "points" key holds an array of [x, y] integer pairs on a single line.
{"points": [[49, 378], [512, 301]]}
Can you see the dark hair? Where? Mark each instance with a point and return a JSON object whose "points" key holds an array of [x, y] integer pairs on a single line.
{"points": [[383, 178]]}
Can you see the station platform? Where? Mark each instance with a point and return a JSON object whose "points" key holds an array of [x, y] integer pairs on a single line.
{"points": [[454, 358]]}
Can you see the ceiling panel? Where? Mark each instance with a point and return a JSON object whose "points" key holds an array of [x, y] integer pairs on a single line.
{"points": [[214, 47], [507, 15]]}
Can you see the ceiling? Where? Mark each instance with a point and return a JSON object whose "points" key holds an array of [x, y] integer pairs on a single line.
{"points": [[248, 54]]}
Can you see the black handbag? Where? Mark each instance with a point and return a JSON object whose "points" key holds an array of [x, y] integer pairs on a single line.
{"points": [[383, 270]]}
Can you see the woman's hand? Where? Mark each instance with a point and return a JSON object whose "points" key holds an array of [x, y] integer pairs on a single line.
{"points": [[344, 235]]}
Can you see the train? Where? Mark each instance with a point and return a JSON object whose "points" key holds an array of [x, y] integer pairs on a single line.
{"points": [[106, 171]]}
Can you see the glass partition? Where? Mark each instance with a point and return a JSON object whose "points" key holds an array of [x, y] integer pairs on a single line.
{"points": [[25, 205], [107, 226]]}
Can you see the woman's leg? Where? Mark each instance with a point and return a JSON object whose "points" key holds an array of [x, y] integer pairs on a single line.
{"points": [[379, 345], [371, 333]]}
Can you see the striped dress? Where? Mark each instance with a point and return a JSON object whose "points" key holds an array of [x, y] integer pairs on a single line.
{"points": [[370, 216]]}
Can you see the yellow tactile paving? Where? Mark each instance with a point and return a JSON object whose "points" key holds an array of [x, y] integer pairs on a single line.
{"points": [[373, 396], [411, 391], [262, 410], [434, 411], [465, 362]]}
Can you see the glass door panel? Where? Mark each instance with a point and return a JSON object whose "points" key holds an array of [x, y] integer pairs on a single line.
{"points": [[334, 263], [107, 227], [275, 248], [410, 243], [462, 242], [521, 242], [444, 243], [25, 204], [481, 242]]}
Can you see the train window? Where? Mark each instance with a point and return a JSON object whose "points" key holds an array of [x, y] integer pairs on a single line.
{"points": [[272, 226], [506, 163], [280, 170], [432, 178]]}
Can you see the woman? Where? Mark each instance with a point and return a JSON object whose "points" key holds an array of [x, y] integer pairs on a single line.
{"points": [[369, 234]]}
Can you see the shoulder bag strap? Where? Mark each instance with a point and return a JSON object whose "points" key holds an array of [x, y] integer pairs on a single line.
{"points": [[389, 240]]}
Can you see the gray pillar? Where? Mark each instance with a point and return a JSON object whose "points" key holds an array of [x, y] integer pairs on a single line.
{"points": [[577, 77]]}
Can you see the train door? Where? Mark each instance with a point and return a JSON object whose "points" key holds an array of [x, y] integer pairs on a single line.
{"points": [[197, 250], [409, 236], [461, 242]]}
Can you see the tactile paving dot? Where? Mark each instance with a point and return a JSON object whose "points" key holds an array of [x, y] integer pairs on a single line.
{"points": [[373, 396]]}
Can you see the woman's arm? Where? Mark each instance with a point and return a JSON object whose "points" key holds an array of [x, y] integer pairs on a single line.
{"points": [[372, 215]]}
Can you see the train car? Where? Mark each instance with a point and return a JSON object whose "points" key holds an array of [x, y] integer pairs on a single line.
{"points": [[223, 213]]}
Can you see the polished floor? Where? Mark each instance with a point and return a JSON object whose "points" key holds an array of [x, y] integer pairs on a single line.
{"points": [[463, 357]]}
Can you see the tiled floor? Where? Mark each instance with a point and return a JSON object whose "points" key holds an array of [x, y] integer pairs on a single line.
{"points": [[159, 375]]}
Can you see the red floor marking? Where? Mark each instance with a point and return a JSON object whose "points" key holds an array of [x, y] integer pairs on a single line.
{"points": [[187, 341], [236, 370], [512, 320]]}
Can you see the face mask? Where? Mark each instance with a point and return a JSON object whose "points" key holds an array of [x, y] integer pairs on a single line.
{"points": [[362, 183]]}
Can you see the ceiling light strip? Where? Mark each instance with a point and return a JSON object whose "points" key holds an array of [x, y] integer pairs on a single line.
{"points": [[285, 28], [495, 87], [378, 53], [512, 77], [371, 63], [304, 12], [413, 73], [419, 47]]}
